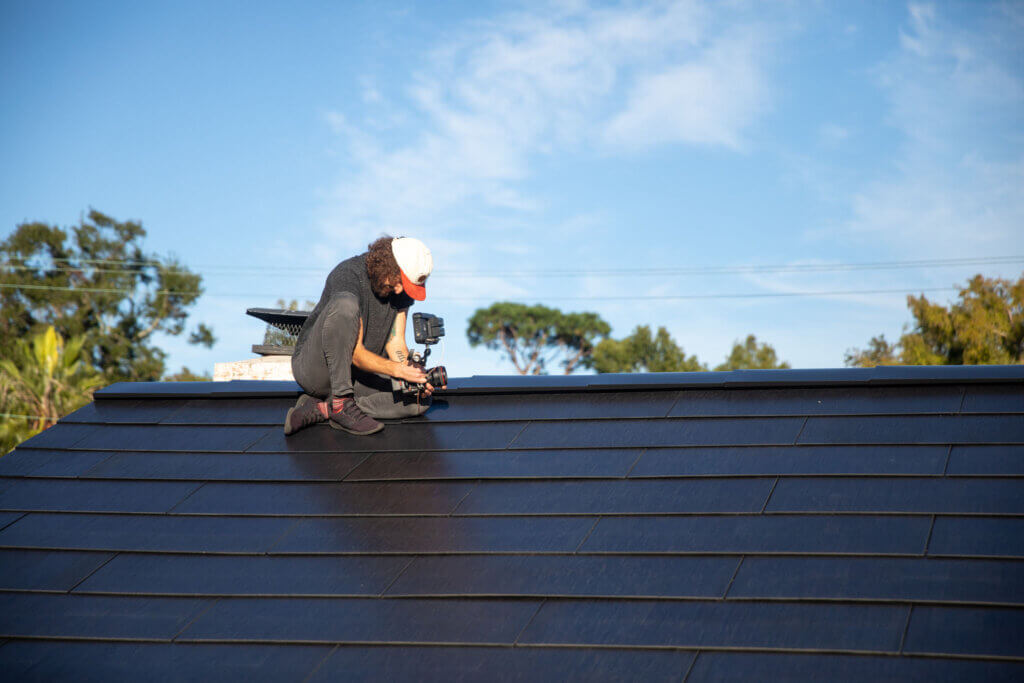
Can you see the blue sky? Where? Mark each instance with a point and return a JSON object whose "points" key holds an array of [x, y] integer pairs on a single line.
{"points": [[261, 143]]}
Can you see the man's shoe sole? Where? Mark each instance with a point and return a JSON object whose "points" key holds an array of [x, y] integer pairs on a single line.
{"points": [[337, 426], [288, 422], [303, 400]]}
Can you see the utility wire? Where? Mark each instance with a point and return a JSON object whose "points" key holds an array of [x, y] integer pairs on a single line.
{"points": [[684, 297], [101, 290], [757, 295], [790, 268], [131, 268]]}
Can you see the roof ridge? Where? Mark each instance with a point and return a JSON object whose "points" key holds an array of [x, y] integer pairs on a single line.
{"points": [[502, 384]]}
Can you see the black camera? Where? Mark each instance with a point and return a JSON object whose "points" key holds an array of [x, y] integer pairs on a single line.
{"points": [[427, 329]]}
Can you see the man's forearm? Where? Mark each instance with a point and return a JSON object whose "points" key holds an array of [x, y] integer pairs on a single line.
{"points": [[399, 354], [371, 362]]}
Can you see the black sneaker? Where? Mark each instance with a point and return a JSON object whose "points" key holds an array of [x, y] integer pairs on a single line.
{"points": [[303, 414], [352, 419]]}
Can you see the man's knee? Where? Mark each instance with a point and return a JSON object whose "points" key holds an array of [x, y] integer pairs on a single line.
{"points": [[415, 409]]}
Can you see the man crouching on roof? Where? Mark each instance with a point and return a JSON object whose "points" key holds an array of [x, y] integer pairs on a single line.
{"points": [[339, 356]]}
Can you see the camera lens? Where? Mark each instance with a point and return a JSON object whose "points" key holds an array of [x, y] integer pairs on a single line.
{"points": [[437, 377]]}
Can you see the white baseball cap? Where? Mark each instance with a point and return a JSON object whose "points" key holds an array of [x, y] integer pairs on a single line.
{"points": [[415, 263]]}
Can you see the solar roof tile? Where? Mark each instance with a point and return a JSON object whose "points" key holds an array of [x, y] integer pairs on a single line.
{"points": [[145, 532], [675, 432], [613, 462], [356, 498], [358, 620], [47, 570], [990, 460], [489, 663], [849, 534], [914, 429], [618, 496], [169, 438], [434, 535], [60, 435], [233, 389], [818, 401], [881, 578], [245, 575], [992, 398], [995, 631], [157, 662], [395, 437], [741, 667], [91, 616], [9, 518], [140, 411], [978, 536], [95, 496], [242, 411], [903, 494], [49, 462], [582, 575], [781, 460], [865, 628], [225, 466], [553, 406]]}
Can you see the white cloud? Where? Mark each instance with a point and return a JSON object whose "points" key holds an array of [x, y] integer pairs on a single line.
{"points": [[490, 104], [956, 190], [708, 101]]}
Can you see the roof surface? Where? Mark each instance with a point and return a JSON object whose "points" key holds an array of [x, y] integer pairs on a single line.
{"points": [[841, 524]]}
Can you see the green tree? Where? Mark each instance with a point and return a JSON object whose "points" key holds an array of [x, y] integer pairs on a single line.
{"points": [[985, 326], [533, 337], [97, 283], [186, 375], [42, 380], [879, 352], [749, 355], [643, 352]]}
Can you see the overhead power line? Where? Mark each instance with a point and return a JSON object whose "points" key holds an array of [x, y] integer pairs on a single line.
{"points": [[128, 268], [787, 268], [684, 297], [99, 290], [658, 297]]}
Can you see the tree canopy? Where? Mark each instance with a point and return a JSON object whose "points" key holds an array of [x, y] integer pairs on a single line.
{"points": [[984, 326], [534, 337], [643, 352], [42, 380], [749, 355], [96, 282]]}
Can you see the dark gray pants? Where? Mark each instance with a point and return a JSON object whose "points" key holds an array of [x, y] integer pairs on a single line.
{"points": [[323, 365]]}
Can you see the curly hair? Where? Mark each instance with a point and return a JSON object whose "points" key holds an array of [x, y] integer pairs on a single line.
{"points": [[382, 267]]}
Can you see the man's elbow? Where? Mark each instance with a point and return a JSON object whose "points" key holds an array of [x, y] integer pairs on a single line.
{"points": [[359, 358]]}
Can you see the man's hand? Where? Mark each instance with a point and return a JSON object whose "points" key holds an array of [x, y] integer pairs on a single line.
{"points": [[410, 373], [431, 388]]}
